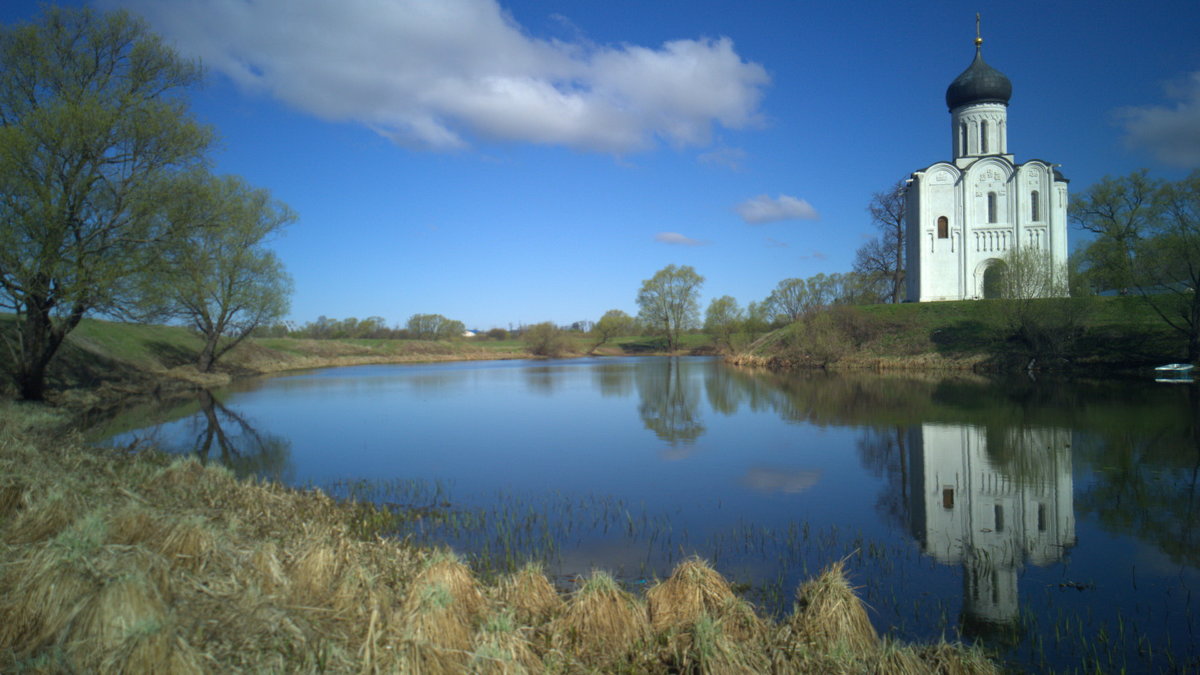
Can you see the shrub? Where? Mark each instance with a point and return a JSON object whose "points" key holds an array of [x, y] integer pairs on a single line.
{"points": [[544, 339]]}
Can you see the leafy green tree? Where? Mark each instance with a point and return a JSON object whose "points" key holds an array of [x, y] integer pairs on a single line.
{"points": [[669, 302], [789, 301], [614, 323], [91, 124], [793, 298], [758, 319], [1168, 260], [434, 327], [723, 321], [1119, 211], [544, 339], [215, 273]]}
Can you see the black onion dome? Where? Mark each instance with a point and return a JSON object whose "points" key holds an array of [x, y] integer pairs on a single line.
{"points": [[979, 83]]}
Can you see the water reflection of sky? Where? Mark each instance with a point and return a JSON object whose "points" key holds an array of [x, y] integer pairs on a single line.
{"points": [[970, 506]]}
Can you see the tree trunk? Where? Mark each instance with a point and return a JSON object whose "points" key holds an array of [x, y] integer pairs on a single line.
{"points": [[31, 381], [40, 340], [207, 358]]}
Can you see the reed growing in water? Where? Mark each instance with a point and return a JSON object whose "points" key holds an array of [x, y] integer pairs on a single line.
{"points": [[117, 561]]}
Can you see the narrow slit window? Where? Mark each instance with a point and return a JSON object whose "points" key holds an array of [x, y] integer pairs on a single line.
{"points": [[948, 498], [999, 518], [983, 137], [943, 227], [962, 138], [1035, 208], [1041, 517], [991, 206]]}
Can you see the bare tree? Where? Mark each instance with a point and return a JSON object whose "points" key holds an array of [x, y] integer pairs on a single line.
{"points": [[883, 256]]}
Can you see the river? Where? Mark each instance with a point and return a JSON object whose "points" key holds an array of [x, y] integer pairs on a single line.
{"points": [[1054, 521]]}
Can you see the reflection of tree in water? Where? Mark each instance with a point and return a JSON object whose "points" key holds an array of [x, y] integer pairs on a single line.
{"points": [[614, 378], [883, 452], [241, 447], [670, 402], [541, 379], [1148, 485]]}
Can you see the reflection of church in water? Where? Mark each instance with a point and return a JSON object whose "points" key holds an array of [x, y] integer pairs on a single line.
{"points": [[990, 502]]}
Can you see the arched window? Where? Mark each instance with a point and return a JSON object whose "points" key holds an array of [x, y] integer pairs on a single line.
{"points": [[991, 207], [943, 227], [1035, 208], [962, 138], [983, 137]]}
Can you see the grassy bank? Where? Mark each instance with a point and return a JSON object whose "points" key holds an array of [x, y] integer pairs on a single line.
{"points": [[138, 562], [103, 360], [1091, 334]]}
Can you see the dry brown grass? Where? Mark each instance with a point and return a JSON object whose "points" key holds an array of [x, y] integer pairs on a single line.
{"points": [[433, 627], [955, 659], [828, 620], [530, 595], [12, 498], [44, 518], [502, 647], [695, 589], [602, 624]]}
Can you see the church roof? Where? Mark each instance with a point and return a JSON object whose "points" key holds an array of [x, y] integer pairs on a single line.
{"points": [[979, 83]]}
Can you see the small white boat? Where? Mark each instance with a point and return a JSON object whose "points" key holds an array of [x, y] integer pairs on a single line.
{"points": [[1174, 372]]}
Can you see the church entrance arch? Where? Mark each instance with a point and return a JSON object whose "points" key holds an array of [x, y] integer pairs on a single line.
{"points": [[991, 276]]}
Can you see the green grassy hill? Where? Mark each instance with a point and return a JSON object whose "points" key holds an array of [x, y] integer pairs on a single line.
{"points": [[1089, 333], [105, 357]]}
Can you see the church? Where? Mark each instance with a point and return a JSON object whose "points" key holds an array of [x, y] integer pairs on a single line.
{"points": [[964, 216]]}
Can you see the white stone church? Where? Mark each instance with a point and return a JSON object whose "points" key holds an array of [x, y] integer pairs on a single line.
{"points": [[965, 215]]}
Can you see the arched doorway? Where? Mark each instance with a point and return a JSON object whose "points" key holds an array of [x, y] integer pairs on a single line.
{"points": [[994, 278]]}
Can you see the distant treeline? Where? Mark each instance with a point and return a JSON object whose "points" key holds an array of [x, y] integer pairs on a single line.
{"points": [[418, 327]]}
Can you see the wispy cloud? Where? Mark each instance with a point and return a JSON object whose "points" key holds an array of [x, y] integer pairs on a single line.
{"points": [[442, 74], [815, 255], [775, 243], [677, 239], [731, 158], [1171, 133], [764, 209]]}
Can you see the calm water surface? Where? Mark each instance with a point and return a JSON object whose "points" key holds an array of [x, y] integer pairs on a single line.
{"points": [[1057, 522]]}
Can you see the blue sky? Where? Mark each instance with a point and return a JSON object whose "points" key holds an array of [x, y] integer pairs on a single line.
{"points": [[517, 162]]}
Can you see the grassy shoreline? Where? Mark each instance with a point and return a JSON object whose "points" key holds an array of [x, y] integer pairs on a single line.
{"points": [[131, 562]]}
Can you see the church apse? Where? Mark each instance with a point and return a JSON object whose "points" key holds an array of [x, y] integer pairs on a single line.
{"points": [[990, 501]]}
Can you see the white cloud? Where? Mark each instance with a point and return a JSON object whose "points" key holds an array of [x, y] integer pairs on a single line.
{"points": [[763, 209], [1171, 133], [437, 74], [677, 239]]}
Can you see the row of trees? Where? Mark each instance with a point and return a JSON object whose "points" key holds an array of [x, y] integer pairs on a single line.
{"points": [[106, 204]]}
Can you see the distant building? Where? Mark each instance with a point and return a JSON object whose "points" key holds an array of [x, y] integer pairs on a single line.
{"points": [[963, 216]]}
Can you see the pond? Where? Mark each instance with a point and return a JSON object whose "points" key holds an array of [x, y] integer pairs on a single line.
{"points": [[1055, 521]]}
